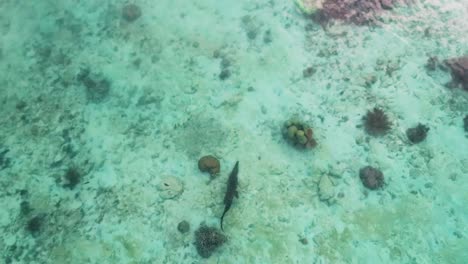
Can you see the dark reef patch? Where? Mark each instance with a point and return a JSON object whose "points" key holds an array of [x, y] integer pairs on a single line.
{"points": [[371, 177], [359, 12], [459, 70], [465, 123], [97, 87], [417, 134], [376, 122], [131, 12], [207, 240]]}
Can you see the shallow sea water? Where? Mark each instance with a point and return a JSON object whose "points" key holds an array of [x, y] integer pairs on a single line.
{"points": [[106, 111]]}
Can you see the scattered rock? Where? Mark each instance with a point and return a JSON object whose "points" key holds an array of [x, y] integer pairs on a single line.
{"points": [[370, 80], [224, 74], [267, 37], [326, 189], [308, 72], [209, 164], [371, 177], [417, 134], [251, 26], [21, 105], [459, 70], [170, 187], [432, 63], [72, 177], [35, 224], [216, 54], [225, 65], [131, 12], [97, 87], [304, 241], [25, 208]]}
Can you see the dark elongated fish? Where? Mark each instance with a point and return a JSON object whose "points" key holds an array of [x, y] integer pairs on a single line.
{"points": [[231, 191]]}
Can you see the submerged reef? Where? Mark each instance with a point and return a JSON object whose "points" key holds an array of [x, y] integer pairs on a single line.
{"points": [[371, 177], [359, 12], [207, 240], [459, 70], [298, 134], [417, 134], [376, 122]]}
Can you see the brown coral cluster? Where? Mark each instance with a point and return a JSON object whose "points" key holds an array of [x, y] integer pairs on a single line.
{"points": [[209, 164], [299, 134]]}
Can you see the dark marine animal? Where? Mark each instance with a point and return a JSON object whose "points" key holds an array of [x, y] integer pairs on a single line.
{"points": [[231, 191]]}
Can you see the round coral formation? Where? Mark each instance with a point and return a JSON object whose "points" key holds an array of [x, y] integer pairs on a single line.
{"points": [[209, 164], [131, 12], [299, 134], [371, 177], [183, 227]]}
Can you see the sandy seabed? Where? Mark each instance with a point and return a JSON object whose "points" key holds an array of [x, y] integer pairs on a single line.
{"points": [[130, 107]]}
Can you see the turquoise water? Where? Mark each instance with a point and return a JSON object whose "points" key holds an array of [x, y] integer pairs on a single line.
{"points": [[107, 107]]}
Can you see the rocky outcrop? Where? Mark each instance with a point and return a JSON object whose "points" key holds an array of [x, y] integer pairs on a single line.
{"points": [[359, 12], [459, 69]]}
